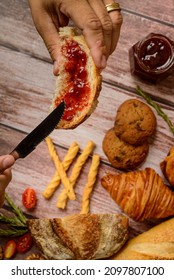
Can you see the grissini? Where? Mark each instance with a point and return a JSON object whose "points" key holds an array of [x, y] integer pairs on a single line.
{"points": [[80, 236], [154, 244], [79, 80]]}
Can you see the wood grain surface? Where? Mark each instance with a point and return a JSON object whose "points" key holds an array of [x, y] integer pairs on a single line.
{"points": [[26, 89]]}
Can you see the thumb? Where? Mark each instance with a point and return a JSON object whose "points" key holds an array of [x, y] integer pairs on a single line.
{"points": [[6, 162]]}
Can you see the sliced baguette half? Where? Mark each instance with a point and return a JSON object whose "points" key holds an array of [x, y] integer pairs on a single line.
{"points": [[79, 80]]}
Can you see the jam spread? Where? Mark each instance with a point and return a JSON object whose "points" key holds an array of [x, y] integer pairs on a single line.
{"points": [[76, 93], [152, 58]]}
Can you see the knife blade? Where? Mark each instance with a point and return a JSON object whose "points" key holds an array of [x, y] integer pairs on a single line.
{"points": [[29, 143]]}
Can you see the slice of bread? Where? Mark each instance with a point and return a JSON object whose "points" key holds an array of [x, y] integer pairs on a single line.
{"points": [[79, 80]]}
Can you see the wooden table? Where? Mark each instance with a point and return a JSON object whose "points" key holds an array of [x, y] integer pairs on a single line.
{"points": [[26, 89]]}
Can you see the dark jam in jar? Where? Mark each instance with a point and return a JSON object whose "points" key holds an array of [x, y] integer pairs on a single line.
{"points": [[152, 58], [76, 93]]}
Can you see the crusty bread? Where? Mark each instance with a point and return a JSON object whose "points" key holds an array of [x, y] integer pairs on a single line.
{"points": [[80, 236], [154, 244], [73, 81]]}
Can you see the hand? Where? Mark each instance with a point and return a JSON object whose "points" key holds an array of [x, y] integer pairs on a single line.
{"points": [[5, 177], [100, 28]]}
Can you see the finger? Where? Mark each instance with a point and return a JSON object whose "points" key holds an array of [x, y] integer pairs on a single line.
{"points": [[6, 162], [5, 179], [106, 22], [47, 21], [117, 20], [6, 176], [87, 20]]}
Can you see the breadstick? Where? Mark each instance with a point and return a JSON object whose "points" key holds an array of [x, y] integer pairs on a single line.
{"points": [[92, 175], [55, 181], [68, 187], [62, 199]]}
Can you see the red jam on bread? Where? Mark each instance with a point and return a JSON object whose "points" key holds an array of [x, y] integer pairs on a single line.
{"points": [[77, 92]]}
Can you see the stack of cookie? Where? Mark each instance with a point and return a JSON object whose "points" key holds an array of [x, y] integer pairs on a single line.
{"points": [[126, 144]]}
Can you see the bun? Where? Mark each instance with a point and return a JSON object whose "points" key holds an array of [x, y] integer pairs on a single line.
{"points": [[80, 236], [79, 80], [154, 244], [167, 166]]}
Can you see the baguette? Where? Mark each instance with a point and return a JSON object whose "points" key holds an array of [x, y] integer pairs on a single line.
{"points": [[79, 80], [154, 244], [80, 236]]}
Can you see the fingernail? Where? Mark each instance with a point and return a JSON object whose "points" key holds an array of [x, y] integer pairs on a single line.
{"points": [[55, 68], [7, 162]]}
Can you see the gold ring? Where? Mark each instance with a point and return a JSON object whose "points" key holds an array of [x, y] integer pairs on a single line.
{"points": [[113, 7]]}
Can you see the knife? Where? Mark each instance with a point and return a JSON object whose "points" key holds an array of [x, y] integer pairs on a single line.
{"points": [[29, 143]]}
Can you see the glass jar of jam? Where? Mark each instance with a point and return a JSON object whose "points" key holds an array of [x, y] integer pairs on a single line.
{"points": [[152, 58]]}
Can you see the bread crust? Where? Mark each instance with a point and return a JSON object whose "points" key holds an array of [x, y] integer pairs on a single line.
{"points": [[94, 79], [154, 244], [80, 236]]}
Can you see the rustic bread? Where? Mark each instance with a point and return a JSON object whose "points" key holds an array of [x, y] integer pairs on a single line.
{"points": [[79, 80], [80, 236], [154, 244]]}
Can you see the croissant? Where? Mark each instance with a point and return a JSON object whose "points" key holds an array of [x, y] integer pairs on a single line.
{"points": [[167, 167], [80, 236], [141, 195]]}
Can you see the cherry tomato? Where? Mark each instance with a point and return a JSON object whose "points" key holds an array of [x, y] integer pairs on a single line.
{"points": [[29, 198], [10, 249], [24, 243]]}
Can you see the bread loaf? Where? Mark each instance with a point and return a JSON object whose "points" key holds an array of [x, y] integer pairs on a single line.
{"points": [[79, 80], [154, 244], [80, 236]]}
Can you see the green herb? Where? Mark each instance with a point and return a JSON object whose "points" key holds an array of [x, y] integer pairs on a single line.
{"points": [[158, 109], [13, 221], [13, 232], [16, 210], [16, 225]]}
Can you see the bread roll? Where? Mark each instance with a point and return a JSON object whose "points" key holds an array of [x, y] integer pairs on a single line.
{"points": [[80, 236], [154, 244], [167, 167], [79, 80]]}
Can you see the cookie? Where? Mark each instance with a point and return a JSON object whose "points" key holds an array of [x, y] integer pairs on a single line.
{"points": [[134, 122], [122, 155]]}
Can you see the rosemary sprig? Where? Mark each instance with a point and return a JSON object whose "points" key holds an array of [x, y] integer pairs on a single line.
{"points": [[16, 225], [12, 221], [12, 232], [158, 109], [16, 210]]}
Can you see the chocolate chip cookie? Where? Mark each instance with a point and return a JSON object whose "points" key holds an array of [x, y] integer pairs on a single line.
{"points": [[121, 154], [134, 122]]}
